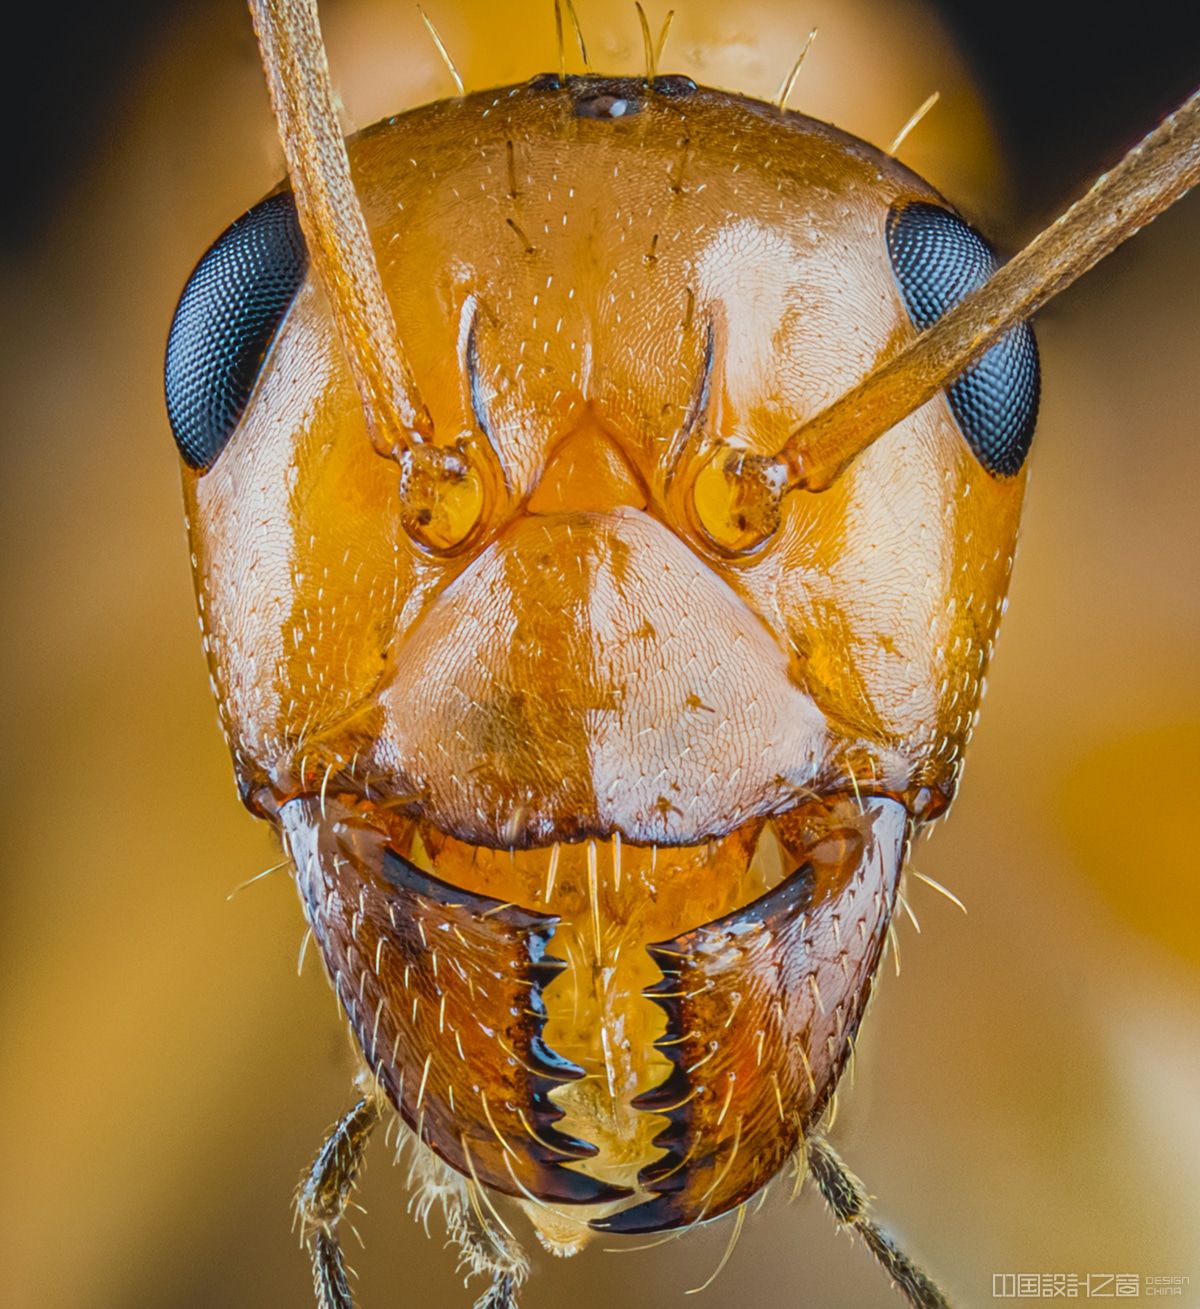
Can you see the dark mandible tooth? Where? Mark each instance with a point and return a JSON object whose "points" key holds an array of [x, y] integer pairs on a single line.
{"points": [[780, 984], [443, 991]]}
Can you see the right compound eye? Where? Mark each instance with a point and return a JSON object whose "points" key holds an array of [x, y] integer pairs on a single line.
{"points": [[938, 261], [230, 310]]}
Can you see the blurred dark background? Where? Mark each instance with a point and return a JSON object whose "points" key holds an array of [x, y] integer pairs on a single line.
{"points": [[1066, 82]]}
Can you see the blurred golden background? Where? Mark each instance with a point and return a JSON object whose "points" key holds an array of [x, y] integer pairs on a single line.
{"points": [[1027, 1091]]}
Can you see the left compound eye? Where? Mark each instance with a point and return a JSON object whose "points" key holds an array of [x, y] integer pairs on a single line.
{"points": [[938, 260], [227, 317]]}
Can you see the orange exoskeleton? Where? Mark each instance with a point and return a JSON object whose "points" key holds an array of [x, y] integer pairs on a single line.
{"points": [[603, 494]]}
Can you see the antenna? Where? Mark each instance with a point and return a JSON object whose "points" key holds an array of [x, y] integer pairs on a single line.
{"points": [[737, 489], [1164, 166], [440, 492]]}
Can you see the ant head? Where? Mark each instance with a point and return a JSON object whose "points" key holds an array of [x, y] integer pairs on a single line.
{"points": [[608, 460]]}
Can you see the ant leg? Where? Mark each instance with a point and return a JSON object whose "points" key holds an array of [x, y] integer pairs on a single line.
{"points": [[846, 1197], [323, 1196], [502, 1294]]}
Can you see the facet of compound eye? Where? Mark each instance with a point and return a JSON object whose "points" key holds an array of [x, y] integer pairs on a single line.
{"points": [[227, 317], [938, 260]]}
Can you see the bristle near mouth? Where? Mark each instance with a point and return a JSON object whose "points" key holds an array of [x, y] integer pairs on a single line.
{"points": [[604, 933]]}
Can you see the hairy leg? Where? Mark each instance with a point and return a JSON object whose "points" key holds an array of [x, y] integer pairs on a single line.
{"points": [[486, 1247], [323, 1196], [846, 1197], [500, 1295]]}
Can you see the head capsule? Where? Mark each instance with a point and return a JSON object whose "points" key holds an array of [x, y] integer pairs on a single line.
{"points": [[557, 662]]}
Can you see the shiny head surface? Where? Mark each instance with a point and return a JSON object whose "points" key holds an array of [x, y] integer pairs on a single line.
{"points": [[597, 302]]}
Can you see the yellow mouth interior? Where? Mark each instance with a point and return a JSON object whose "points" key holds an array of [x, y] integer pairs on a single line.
{"points": [[612, 900]]}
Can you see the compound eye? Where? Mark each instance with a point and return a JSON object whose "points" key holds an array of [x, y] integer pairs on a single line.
{"points": [[938, 260], [226, 319]]}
